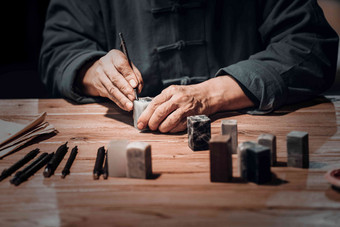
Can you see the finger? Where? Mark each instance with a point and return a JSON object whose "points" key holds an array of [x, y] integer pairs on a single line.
{"points": [[180, 127], [122, 65], [117, 79], [147, 113], [139, 78], [161, 113], [102, 90], [115, 95], [171, 121], [98, 86]]}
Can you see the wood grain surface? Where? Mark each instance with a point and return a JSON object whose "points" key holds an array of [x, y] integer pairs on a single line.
{"points": [[182, 194]]}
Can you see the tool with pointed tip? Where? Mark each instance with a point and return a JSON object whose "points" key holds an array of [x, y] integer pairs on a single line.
{"points": [[69, 162], [33, 169], [33, 163], [28, 157], [105, 169], [55, 161], [98, 167], [125, 51]]}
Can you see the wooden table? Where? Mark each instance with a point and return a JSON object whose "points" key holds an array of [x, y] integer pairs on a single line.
{"points": [[182, 195]]}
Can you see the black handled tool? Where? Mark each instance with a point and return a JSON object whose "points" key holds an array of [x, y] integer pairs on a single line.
{"points": [[69, 162], [105, 169], [34, 162], [34, 168], [125, 51], [55, 161], [98, 167], [28, 157]]}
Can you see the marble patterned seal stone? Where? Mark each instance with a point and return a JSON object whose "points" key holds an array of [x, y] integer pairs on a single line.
{"points": [[199, 132]]}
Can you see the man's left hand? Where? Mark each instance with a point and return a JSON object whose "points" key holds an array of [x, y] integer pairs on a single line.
{"points": [[169, 110]]}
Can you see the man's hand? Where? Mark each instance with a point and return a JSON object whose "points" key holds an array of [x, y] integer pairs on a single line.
{"points": [[168, 111], [111, 76]]}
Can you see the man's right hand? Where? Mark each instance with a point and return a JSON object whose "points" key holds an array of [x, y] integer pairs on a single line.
{"points": [[111, 76]]}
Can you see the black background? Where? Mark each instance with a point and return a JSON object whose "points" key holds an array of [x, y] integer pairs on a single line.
{"points": [[21, 28]]}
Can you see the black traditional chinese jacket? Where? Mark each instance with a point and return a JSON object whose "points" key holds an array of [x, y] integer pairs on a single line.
{"points": [[279, 51]]}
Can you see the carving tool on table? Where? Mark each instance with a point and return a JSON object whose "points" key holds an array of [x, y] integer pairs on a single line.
{"points": [[28, 157], [55, 161], [69, 162], [42, 160], [98, 167], [105, 169]]}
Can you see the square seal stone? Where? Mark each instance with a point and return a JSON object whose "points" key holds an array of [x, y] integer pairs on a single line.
{"points": [[221, 165], [199, 132], [298, 149], [139, 164], [229, 127], [258, 164], [139, 106], [269, 140], [116, 158], [242, 158]]}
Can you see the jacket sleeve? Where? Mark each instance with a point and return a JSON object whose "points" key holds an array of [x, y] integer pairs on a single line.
{"points": [[72, 37], [299, 59]]}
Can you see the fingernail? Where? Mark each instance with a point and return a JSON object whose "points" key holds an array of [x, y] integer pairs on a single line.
{"points": [[140, 125], [133, 83], [129, 105]]}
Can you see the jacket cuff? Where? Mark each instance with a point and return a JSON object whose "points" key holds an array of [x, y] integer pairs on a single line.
{"points": [[262, 85], [69, 75]]}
